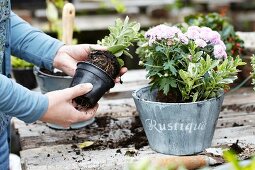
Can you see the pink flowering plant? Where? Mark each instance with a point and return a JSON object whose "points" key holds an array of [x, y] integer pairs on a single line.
{"points": [[186, 66]]}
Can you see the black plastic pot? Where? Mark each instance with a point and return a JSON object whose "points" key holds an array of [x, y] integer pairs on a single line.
{"points": [[25, 77], [51, 82], [101, 81]]}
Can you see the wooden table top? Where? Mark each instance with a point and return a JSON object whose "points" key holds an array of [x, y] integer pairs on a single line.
{"points": [[118, 130]]}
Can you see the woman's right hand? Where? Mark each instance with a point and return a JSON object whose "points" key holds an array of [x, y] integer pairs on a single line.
{"points": [[61, 109]]}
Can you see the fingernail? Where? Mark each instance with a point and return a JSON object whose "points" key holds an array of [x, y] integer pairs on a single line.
{"points": [[88, 85]]}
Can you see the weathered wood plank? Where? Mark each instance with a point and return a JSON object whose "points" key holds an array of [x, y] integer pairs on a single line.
{"points": [[236, 120], [68, 157], [63, 157]]}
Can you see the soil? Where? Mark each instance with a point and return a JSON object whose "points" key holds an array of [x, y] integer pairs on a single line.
{"points": [[171, 97], [106, 61], [108, 132]]}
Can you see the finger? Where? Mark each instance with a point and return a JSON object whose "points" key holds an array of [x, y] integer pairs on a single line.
{"points": [[77, 90], [117, 80], [87, 114], [123, 70], [97, 47]]}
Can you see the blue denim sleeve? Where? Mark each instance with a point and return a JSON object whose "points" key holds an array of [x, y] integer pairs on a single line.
{"points": [[17, 101], [32, 44]]}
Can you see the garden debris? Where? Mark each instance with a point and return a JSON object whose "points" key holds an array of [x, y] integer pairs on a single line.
{"points": [[236, 148], [243, 151], [131, 152], [85, 144]]}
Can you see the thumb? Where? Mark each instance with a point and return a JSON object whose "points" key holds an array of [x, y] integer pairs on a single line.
{"points": [[78, 90]]}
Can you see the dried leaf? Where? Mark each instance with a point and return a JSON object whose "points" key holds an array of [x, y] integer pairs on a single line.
{"points": [[85, 144]]}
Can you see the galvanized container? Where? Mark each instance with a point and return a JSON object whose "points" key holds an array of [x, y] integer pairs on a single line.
{"points": [[49, 83], [177, 128]]}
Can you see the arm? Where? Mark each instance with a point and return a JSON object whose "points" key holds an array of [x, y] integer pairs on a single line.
{"points": [[54, 107], [19, 102], [31, 44]]}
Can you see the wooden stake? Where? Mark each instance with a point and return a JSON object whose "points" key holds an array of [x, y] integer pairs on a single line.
{"points": [[68, 16]]}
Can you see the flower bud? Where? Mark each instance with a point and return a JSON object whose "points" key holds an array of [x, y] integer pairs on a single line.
{"points": [[140, 63], [166, 75]]}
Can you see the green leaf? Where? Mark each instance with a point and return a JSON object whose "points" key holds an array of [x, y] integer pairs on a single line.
{"points": [[170, 66], [119, 6], [227, 31], [122, 35], [121, 62], [195, 97], [128, 54], [85, 144], [198, 55], [116, 49], [231, 157]]}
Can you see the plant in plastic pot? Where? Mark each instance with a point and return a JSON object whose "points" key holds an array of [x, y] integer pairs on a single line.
{"points": [[103, 67], [189, 72], [23, 72]]}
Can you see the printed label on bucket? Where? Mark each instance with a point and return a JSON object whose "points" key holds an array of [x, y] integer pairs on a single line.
{"points": [[188, 127]]}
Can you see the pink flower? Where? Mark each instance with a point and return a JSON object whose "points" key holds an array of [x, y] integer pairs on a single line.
{"points": [[215, 37], [219, 52], [194, 28], [222, 44], [192, 34], [183, 38], [161, 32], [200, 43], [205, 33]]}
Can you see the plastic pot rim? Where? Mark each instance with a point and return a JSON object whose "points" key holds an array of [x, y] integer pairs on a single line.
{"points": [[38, 72]]}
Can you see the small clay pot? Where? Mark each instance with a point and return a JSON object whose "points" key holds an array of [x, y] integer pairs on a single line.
{"points": [[89, 73]]}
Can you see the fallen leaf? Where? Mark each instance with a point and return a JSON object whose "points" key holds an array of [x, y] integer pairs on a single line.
{"points": [[85, 144]]}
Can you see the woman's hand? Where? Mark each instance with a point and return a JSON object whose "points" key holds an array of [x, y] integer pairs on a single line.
{"points": [[68, 56], [61, 109]]}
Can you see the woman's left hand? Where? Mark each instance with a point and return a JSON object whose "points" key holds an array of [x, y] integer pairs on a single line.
{"points": [[68, 56]]}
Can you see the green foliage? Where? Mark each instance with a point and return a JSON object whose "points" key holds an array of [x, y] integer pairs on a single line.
{"points": [[119, 6], [122, 35], [52, 15], [19, 63], [231, 157], [234, 44], [53, 8], [189, 71], [59, 3]]}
